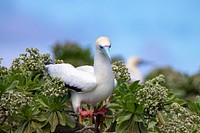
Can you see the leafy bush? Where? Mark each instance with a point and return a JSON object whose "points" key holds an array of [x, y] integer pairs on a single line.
{"points": [[183, 85], [24, 104], [72, 53], [31, 101]]}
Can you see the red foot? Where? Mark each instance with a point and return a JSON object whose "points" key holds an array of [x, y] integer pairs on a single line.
{"points": [[101, 111], [85, 113]]}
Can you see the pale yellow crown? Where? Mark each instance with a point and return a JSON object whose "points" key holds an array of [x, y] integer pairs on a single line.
{"points": [[103, 41]]}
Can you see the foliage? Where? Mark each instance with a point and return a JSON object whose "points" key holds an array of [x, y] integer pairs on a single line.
{"points": [[31, 101], [152, 107], [24, 104], [72, 53], [183, 85], [180, 119]]}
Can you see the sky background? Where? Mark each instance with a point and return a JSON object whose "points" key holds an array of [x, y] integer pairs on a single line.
{"points": [[164, 32]]}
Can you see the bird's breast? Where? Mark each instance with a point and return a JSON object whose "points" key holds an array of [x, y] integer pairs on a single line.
{"points": [[100, 93]]}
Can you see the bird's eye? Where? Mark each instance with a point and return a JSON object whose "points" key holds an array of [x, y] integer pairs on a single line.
{"points": [[101, 47], [110, 46]]}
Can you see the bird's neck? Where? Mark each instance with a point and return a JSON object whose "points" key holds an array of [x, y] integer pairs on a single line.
{"points": [[102, 67]]}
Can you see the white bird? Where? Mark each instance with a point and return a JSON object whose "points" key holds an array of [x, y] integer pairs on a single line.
{"points": [[89, 84], [132, 65]]}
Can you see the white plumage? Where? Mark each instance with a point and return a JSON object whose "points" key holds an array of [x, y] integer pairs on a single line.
{"points": [[72, 76], [133, 68], [89, 84]]}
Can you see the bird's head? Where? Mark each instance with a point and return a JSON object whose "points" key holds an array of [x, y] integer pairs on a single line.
{"points": [[103, 44], [136, 61]]}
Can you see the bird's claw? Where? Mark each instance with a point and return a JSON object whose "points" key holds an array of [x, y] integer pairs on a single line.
{"points": [[100, 111], [85, 113]]}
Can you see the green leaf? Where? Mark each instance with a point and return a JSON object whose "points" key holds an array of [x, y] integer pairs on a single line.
{"points": [[2, 86], [53, 120], [137, 118], [134, 86], [130, 107], [36, 79], [28, 80], [142, 128], [152, 124], [173, 98], [113, 106], [192, 105], [161, 117], [34, 89], [28, 128], [36, 126], [2, 89], [21, 128], [40, 118], [122, 128], [62, 118], [20, 77], [26, 113], [70, 122], [43, 101], [13, 85], [124, 117], [129, 97], [197, 99], [139, 109], [180, 101], [46, 130]]}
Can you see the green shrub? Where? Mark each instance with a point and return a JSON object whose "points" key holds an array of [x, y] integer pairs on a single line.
{"points": [[31, 101]]}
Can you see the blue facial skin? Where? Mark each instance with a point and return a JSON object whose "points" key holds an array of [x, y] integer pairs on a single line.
{"points": [[106, 51]]}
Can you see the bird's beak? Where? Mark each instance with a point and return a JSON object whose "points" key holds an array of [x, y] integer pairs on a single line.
{"points": [[144, 62], [107, 52]]}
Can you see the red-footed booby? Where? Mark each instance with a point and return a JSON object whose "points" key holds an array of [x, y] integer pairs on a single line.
{"points": [[89, 84]]}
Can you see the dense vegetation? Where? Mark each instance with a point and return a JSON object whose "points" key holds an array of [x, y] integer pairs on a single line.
{"points": [[31, 101], [186, 86], [72, 53]]}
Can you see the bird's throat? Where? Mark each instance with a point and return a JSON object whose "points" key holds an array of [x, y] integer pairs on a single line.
{"points": [[102, 67]]}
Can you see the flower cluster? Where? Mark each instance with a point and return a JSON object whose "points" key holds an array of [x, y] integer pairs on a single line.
{"points": [[120, 71], [3, 70], [181, 120], [58, 61], [3, 115], [13, 101], [33, 61], [152, 95], [54, 87]]}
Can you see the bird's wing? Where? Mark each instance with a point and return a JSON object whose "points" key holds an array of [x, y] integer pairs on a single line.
{"points": [[77, 80], [89, 69]]}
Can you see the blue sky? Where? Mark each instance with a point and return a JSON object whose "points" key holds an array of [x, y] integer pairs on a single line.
{"points": [[165, 32]]}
